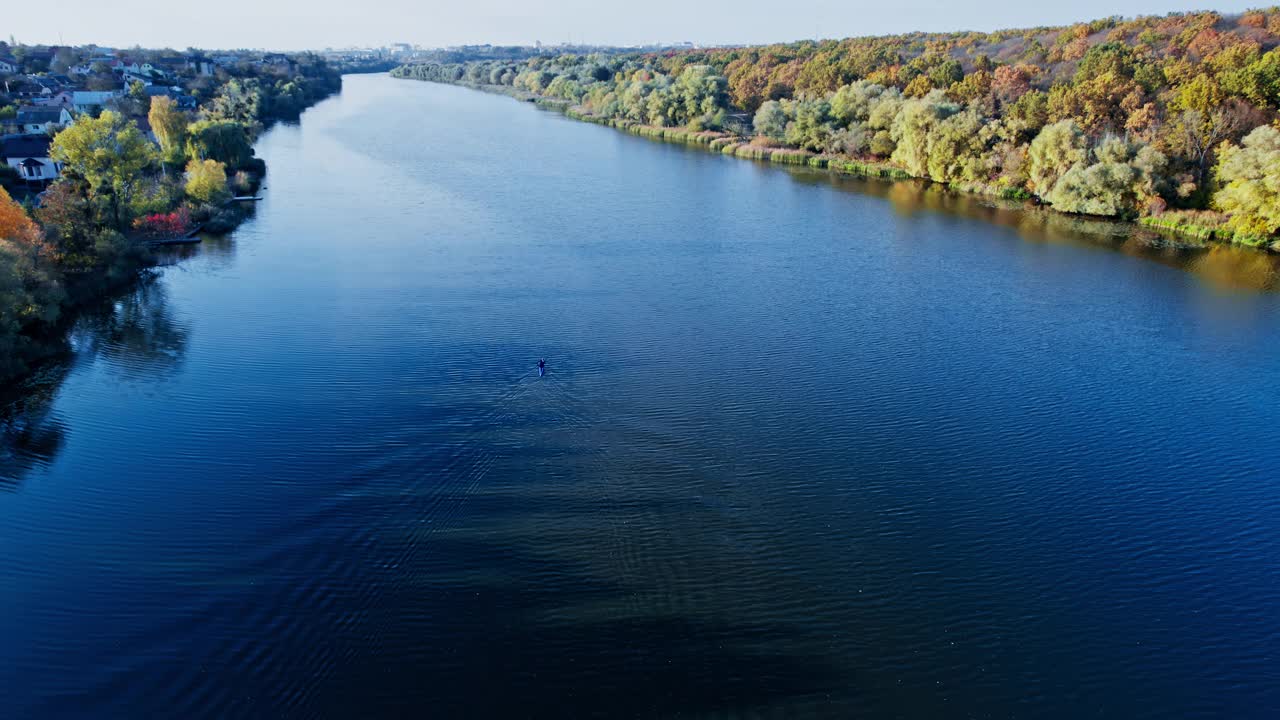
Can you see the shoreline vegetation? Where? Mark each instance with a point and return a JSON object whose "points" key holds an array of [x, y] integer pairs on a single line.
{"points": [[1170, 122], [146, 169]]}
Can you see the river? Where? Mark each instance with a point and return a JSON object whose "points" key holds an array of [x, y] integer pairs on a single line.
{"points": [[806, 447]]}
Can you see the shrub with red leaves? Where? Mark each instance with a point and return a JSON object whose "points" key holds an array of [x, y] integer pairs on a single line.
{"points": [[164, 225]]}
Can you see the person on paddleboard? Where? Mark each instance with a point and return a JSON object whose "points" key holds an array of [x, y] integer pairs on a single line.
{"points": [[542, 367]]}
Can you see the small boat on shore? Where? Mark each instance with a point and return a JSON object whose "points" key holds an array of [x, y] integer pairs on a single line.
{"points": [[190, 239]]}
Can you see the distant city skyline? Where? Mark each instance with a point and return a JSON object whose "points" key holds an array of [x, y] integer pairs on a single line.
{"points": [[299, 24]]}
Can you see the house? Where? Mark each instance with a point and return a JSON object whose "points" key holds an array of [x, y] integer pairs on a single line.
{"points": [[90, 102], [62, 99], [8, 65], [200, 65], [183, 101], [28, 87], [29, 155], [42, 120], [227, 60], [170, 63], [276, 59], [48, 84], [126, 66], [86, 68], [133, 77]]}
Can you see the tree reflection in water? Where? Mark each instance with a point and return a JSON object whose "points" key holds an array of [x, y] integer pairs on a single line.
{"points": [[1226, 266], [29, 437], [134, 331]]}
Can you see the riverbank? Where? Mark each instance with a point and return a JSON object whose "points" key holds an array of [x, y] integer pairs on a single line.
{"points": [[73, 258], [1186, 228]]}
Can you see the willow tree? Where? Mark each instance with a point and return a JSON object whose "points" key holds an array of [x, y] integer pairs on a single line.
{"points": [[1250, 178], [170, 126], [1056, 149]]}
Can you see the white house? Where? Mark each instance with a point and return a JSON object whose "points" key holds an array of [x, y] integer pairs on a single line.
{"points": [[42, 120], [132, 77], [88, 101], [8, 66], [126, 66], [86, 68], [29, 155]]}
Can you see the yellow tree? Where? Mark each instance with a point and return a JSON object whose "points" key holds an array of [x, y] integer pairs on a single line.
{"points": [[170, 126], [207, 181]]}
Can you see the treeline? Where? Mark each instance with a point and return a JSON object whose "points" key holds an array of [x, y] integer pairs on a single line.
{"points": [[259, 95], [1169, 119], [120, 190]]}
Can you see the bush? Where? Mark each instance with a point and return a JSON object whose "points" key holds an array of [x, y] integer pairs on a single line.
{"points": [[164, 225]]}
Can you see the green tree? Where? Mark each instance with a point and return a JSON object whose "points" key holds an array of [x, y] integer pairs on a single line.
{"points": [[223, 140], [771, 120], [956, 148], [1258, 82], [854, 102], [110, 154], [1250, 178], [30, 295], [1055, 150], [914, 127], [239, 100], [1121, 179], [811, 128]]}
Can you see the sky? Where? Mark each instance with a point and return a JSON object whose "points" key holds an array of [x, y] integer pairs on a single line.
{"points": [[316, 24]]}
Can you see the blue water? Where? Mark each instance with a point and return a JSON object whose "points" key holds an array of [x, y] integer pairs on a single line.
{"points": [[804, 448]]}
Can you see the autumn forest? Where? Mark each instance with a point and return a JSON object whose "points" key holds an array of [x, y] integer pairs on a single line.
{"points": [[1169, 120]]}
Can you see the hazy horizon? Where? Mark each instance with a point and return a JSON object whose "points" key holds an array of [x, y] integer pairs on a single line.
{"points": [[293, 24]]}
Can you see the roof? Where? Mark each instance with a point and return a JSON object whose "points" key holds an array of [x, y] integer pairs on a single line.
{"points": [[32, 162], [24, 146], [39, 115], [91, 97]]}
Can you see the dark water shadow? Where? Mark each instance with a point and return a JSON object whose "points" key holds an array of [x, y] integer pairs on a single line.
{"points": [[132, 329], [30, 437], [522, 641]]}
